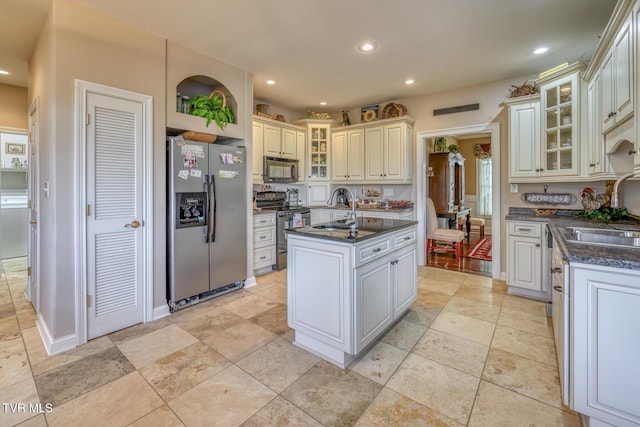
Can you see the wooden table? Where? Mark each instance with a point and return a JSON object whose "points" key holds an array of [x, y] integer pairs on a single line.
{"points": [[453, 218]]}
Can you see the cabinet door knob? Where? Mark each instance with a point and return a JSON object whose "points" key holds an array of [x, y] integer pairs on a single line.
{"points": [[557, 288], [556, 270], [537, 245]]}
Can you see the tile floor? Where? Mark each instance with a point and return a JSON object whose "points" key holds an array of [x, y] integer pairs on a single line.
{"points": [[465, 354]]}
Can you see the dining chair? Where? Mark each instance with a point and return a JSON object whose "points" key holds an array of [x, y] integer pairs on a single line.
{"points": [[434, 233]]}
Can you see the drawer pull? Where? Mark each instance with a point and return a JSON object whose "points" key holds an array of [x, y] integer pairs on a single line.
{"points": [[262, 221], [377, 250], [557, 288], [407, 238], [556, 270], [263, 237], [524, 230], [263, 257]]}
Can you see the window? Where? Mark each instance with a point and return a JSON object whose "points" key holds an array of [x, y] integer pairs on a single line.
{"points": [[483, 168]]}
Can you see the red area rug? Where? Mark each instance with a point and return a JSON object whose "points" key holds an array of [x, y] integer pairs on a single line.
{"points": [[480, 250]]}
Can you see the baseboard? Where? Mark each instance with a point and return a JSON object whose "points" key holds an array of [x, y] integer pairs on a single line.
{"points": [[160, 312], [57, 345], [250, 282]]}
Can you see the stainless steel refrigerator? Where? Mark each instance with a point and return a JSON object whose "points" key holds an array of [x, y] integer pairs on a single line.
{"points": [[207, 233]]}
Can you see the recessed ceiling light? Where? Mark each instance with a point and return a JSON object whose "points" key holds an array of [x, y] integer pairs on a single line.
{"points": [[367, 46], [409, 82], [4, 72], [271, 82], [540, 50], [323, 103]]}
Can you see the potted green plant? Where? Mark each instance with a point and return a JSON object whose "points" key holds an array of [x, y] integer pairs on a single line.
{"points": [[453, 148], [213, 107], [439, 144]]}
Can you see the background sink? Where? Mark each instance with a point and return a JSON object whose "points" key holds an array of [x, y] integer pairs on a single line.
{"points": [[602, 236]]}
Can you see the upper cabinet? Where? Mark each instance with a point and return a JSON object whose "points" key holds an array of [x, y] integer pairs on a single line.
{"points": [[318, 151], [280, 141], [272, 138], [616, 74], [347, 155], [560, 126], [524, 137], [258, 150], [388, 147]]}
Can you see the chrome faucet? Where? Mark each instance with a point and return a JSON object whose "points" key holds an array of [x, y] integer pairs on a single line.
{"points": [[615, 196], [351, 220]]}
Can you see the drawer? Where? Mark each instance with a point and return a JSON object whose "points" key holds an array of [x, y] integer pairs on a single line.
{"points": [[264, 257], [404, 238], [529, 229], [264, 236], [372, 250], [264, 220]]}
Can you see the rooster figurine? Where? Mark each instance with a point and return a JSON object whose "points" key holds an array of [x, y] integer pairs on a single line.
{"points": [[592, 201]]}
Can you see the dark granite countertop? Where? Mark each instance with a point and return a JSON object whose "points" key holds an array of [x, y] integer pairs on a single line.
{"points": [[587, 253], [367, 228], [362, 208]]}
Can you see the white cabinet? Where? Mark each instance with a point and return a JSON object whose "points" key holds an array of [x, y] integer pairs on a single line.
{"points": [[318, 151], [258, 153], [605, 316], [388, 152], [560, 102], [595, 142], [347, 155], [524, 137], [525, 259], [362, 290], [264, 241], [280, 142], [636, 123], [317, 193], [616, 71], [301, 142]]}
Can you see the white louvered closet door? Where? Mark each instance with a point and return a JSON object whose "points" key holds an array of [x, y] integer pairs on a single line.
{"points": [[114, 221]]}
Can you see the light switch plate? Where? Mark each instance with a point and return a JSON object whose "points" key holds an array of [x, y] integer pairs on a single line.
{"points": [[514, 188], [387, 192]]}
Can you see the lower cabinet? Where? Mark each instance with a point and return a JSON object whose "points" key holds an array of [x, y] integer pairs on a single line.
{"points": [[527, 259], [362, 289], [264, 242], [605, 314]]}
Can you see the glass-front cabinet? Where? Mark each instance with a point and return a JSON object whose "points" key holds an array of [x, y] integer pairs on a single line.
{"points": [[559, 124], [318, 140]]}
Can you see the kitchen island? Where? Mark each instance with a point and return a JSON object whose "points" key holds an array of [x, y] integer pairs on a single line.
{"points": [[346, 287]]}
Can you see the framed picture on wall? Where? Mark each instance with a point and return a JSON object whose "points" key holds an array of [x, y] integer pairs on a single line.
{"points": [[369, 114], [14, 148]]}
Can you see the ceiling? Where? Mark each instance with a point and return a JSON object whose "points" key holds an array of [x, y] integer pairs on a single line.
{"points": [[310, 47]]}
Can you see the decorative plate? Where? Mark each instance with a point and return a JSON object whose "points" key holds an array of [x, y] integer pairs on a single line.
{"points": [[369, 114]]}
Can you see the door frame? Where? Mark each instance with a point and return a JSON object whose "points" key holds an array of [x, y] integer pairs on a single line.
{"points": [[421, 188], [82, 90], [34, 192]]}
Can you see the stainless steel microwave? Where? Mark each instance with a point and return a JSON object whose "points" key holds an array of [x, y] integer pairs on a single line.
{"points": [[277, 169]]}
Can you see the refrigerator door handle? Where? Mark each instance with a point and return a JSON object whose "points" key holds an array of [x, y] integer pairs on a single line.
{"points": [[214, 205], [207, 187]]}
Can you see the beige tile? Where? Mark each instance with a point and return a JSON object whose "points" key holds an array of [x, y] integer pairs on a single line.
{"points": [[499, 286], [441, 286], [471, 308], [277, 293], [92, 347], [379, 363], [444, 275], [138, 330], [432, 298], [250, 305], [525, 344], [527, 305], [464, 327], [525, 376], [229, 398], [479, 293], [443, 389], [14, 363], [35, 348], [273, 320], [37, 421], [392, 409], [421, 314], [404, 334], [239, 340], [161, 417], [280, 412], [333, 396], [458, 353], [23, 392], [9, 328], [155, 345], [536, 324], [278, 364], [226, 299], [496, 407], [176, 373], [202, 322], [111, 404]]}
